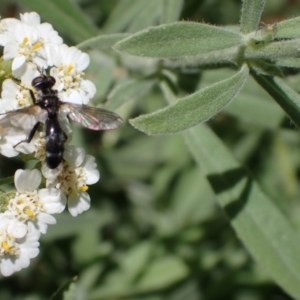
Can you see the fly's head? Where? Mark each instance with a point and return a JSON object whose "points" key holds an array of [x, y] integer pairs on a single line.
{"points": [[43, 82]]}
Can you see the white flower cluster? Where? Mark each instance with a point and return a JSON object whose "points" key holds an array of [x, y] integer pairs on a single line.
{"points": [[33, 47]]}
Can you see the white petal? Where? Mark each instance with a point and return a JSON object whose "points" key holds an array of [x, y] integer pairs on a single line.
{"points": [[17, 228], [71, 96], [8, 150], [74, 155], [46, 218], [77, 205], [53, 199], [51, 174], [89, 87], [83, 61], [27, 180], [7, 267], [18, 62], [90, 168], [10, 51], [19, 72], [30, 72], [31, 18]]}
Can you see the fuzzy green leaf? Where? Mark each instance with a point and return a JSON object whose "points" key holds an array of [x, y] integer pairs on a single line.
{"points": [[162, 273], [285, 96], [180, 39], [123, 15], [288, 29], [148, 16], [102, 41], [194, 109], [259, 224], [171, 10], [129, 90], [290, 62], [273, 50], [250, 16], [264, 67]]}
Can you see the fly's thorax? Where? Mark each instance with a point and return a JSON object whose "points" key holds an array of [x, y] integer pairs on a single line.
{"points": [[50, 103]]}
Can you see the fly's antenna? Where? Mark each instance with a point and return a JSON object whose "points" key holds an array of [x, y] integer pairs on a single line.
{"points": [[41, 70]]}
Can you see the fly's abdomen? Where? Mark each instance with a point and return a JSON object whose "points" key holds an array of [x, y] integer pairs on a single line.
{"points": [[55, 139]]}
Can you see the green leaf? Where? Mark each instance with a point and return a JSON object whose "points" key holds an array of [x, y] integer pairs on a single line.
{"points": [[159, 274], [162, 273], [259, 224], [285, 96], [6, 180], [85, 249], [104, 41], [252, 105], [129, 90], [102, 72], [123, 15], [171, 10], [68, 288], [71, 9], [72, 292], [273, 50], [194, 109], [288, 29], [70, 226], [64, 15], [256, 110], [148, 16], [178, 40], [191, 210], [137, 259], [250, 15], [264, 67], [137, 159], [290, 62]]}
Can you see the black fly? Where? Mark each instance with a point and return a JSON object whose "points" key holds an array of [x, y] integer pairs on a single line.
{"points": [[48, 100]]}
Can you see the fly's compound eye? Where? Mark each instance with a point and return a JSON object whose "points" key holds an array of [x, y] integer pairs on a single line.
{"points": [[51, 81], [43, 82], [37, 82]]}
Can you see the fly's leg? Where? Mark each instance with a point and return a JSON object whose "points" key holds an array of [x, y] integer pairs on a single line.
{"points": [[31, 134], [33, 131], [33, 98]]}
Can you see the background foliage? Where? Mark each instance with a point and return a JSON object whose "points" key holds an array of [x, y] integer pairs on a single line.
{"points": [[210, 213]]}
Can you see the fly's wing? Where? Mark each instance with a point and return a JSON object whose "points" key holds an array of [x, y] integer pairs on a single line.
{"points": [[92, 117], [25, 117]]}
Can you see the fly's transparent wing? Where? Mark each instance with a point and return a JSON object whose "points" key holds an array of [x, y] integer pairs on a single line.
{"points": [[92, 117], [25, 117]]}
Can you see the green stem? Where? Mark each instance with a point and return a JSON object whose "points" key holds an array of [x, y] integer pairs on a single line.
{"points": [[286, 97]]}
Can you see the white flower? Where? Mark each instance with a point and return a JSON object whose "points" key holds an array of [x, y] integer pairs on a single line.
{"points": [[17, 245], [48, 34], [14, 96], [78, 171], [30, 205], [69, 64], [6, 29], [25, 45], [28, 41]]}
